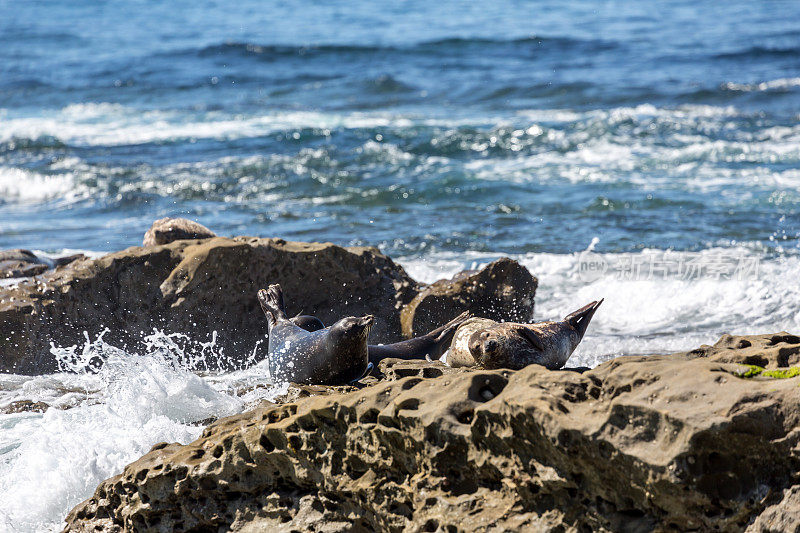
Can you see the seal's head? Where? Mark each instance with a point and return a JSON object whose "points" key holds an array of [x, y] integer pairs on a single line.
{"points": [[511, 345], [348, 339], [353, 328]]}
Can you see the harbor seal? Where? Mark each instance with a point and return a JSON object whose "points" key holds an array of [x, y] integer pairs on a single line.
{"points": [[430, 346], [331, 356], [490, 344]]}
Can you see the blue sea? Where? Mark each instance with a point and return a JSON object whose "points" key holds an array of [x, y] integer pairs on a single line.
{"points": [[645, 152]]}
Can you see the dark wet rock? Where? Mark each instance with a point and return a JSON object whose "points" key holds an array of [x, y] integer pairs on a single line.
{"points": [[503, 291], [167, 230], [67, 259], [20, 264], [24, 263], [197, 288], [673, 442], [24, 406]]}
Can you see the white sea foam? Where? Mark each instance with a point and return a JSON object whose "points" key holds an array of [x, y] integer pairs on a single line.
{"points": [[24, 186], [92, 124], [655, 315], [50, 462], [110, 124], [771, 85]]}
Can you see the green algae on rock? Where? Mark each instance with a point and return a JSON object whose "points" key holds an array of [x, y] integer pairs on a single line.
{"points": [[754, 371]]}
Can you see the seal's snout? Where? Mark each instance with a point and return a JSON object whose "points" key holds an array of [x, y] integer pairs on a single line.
{"points": [[483, 344], [367, 321], [579, 320]]}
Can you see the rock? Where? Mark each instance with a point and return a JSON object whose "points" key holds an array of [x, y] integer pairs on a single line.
{"points": [[24, 263], [772, 351], [167, 230], [20, 264], [781, 517], [67, 259], [671, 442], [204, 288], [503, 291], [24, 406]]}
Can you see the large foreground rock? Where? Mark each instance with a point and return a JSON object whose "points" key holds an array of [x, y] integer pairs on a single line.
{"points": [[675, 442], [206, 288]]}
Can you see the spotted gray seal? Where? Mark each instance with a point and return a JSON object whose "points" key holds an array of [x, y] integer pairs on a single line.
{"points": [[331, 356], [429, 346], [490, 344]]}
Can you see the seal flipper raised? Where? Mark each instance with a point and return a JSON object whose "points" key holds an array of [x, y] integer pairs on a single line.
{"points": [[271, 300]]}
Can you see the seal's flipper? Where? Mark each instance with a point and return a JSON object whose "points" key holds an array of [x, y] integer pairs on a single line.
{"points": [[580, 319], [367, 370], [271, 301], [531, 336], [448, 330]]}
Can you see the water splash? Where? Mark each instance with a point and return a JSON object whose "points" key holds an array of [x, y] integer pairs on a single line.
{"points": [[108, 408]]}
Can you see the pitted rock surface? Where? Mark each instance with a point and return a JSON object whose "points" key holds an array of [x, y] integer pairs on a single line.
{"points": [[636, 444], [777, 350], [503, 290]]}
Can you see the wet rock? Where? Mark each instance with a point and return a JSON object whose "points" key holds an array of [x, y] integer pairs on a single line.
{"points": [[24, 263], [297, 391], [24, 406], [21, 263], [167, 230], [503, 291], [67, 260], [637, 444], [206, 289]]}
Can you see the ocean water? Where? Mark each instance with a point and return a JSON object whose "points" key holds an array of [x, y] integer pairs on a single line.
{"points": [[647, 153]]}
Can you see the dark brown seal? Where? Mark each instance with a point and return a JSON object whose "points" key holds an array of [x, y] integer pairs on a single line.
{"points": [[429, 346], [490, 344], [329, 356], [166, 230]]}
